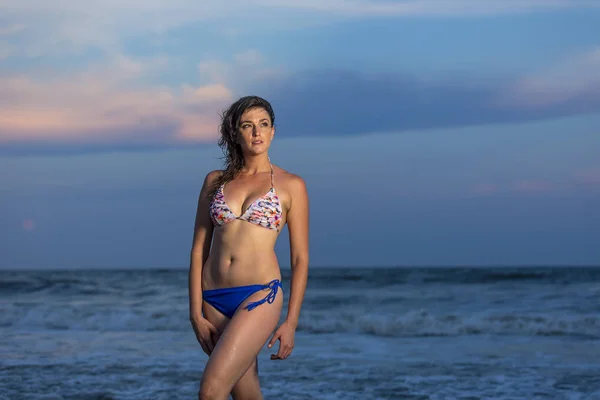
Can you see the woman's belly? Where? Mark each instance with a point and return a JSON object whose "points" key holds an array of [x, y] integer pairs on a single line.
{"points": [[240, 255]]}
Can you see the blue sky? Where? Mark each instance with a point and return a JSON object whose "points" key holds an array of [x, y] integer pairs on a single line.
{"points": [[452, 132]]}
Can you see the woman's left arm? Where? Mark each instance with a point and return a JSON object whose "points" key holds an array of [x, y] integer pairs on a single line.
{"points": [[297, 221]]}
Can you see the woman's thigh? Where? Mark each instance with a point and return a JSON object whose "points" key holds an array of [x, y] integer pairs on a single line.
{"points": [[248, 384], [241, 340], [215, 317]]}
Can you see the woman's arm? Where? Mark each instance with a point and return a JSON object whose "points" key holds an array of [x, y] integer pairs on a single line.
{"points": [[297, 220], [203, 231]]}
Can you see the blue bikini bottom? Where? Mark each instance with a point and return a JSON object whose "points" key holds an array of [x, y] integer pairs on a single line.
{"points": [[227, 300]]}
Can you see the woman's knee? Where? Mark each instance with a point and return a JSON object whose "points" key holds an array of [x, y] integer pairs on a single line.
{"points": [[211, 389], [248, 396]]}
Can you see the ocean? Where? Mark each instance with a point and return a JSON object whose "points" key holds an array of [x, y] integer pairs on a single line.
{"points": [[364, 333]]}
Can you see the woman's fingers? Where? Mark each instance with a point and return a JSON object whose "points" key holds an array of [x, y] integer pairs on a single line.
{"points": [[211, 343], [288, 351], [207, 334], [284, 352], [204, 348], [276, 336], [213, 330]]}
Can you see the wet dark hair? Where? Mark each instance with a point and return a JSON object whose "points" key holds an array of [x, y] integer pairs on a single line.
{"points": [[232, 151]]}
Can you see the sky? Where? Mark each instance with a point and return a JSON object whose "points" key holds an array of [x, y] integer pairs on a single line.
{"points": [[429, 132]]}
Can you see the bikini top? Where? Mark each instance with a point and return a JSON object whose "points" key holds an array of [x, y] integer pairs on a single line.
{"points": [[264, 211]]}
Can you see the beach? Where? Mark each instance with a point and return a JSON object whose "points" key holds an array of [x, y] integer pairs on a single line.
{"points": [[364, 333]]}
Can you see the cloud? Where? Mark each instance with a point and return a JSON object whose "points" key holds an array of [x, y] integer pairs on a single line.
{"points": [[447, 8], [28, 225], [574, 79], [112, 103], [249, 58], [112, 106], [6, 50], [243, 68], [334, 102], [108, 105], [533, 186], [10, 30], [523, 187], [65, 25], [589, 176], [59, 26], [585, 181], [485, 188]]}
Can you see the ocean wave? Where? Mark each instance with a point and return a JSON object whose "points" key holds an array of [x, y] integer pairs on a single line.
{"points": [[422, 323], [381, 277], [410, 324], [83, 283], [82, 317], [78, 284]]}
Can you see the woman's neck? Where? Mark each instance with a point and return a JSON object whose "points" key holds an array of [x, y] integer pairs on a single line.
{"points": [[256, 164]]}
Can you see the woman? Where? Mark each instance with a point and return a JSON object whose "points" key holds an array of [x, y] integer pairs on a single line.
{"points": [[235, 287]]}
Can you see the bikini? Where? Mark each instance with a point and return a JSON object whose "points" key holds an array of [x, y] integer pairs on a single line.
{"points": [[264, 211]]}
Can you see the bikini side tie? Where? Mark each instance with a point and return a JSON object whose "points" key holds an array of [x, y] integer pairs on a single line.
{"points": [[270, 297]]}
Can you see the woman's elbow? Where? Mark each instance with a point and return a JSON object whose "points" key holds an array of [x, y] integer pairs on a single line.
{"points": [[300, 261]]}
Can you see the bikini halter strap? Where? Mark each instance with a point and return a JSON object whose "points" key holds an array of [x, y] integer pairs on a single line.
{"points": [[272, 172]]}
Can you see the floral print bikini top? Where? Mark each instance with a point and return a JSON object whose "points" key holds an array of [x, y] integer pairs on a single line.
{"points": [[264, 211]]}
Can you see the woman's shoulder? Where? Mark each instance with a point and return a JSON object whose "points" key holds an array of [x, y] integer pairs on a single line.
{"points": [[210, 179], [213, 175], [292, 182]]}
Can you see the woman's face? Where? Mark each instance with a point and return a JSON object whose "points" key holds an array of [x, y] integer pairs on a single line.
{"points": [[255, 131]]}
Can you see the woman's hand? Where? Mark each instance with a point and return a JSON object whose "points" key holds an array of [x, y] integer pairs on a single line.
{"points": [[285, 333], [206, 333]]}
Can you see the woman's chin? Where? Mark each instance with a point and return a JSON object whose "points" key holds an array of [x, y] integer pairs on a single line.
{"points": [[257, 150]]}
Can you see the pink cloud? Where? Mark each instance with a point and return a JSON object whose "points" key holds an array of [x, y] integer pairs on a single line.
{"points": [[108, 104], [11, 29], [520, 186], [589, 176], [575, 77], [28, 225], [533, 186], [485, 188]]}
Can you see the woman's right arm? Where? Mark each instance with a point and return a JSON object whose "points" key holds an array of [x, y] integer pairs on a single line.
{"points": [[203, 231]]}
